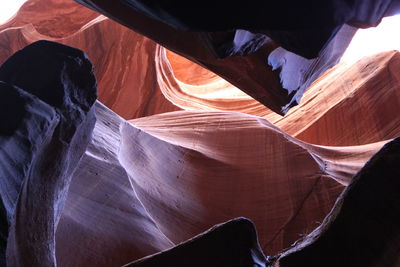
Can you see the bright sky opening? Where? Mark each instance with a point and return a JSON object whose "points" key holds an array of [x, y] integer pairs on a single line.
{"points": [[384, 37], [8, 8]]}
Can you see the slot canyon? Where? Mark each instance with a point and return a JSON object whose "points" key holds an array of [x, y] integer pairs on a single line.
{"points": [[198, 133]]}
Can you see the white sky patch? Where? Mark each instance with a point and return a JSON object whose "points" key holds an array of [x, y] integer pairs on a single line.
{"points": [[8, 8], [385, 37]]}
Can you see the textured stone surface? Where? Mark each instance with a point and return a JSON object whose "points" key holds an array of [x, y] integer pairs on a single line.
{"points": [[133, 92], [309, 32], [40, 151], [145, 185], [104, 222], [362, 228], [123, 63], [141, 189], [363, 95], [350, 104]]}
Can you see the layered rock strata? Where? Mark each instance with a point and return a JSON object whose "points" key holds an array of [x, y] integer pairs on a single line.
{"points": [[309, 32], [361, 230], [132, 90], [144, 186], [124, 63]]}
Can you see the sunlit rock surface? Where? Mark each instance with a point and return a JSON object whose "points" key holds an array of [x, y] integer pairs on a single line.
{"points": [[144, 187], [348, 105], [176, 149], [316, 31], [361, 230], [124, 61]]}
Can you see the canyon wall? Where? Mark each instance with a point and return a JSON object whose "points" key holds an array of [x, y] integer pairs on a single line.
{"points": [[176, 149]]}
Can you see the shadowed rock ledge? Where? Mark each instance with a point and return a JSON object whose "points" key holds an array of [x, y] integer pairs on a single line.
{"points": [[233, 243], [362, 228], [47, 91]]}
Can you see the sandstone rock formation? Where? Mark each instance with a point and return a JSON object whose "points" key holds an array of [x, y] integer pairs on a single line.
{"points": [[154, 185], [233, 243], [86, 29], [333, 102], [132, 90], [361, 230], [308, 29], [42, 147], [166, 180]]}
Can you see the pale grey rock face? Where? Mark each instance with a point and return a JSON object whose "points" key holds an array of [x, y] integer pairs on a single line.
{"points": [[298, 73], [104, 223], [51, 89], [19, 150]]}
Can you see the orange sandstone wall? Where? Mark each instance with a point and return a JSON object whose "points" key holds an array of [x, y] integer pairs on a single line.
{"points": [[124, 61]]}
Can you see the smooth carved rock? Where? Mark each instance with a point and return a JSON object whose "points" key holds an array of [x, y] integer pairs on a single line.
{"points": [[41, 149], [137, 93], [350, 105], [144, 186], [244, 151], [250, 72], [124, 64], [142, 189], [362, 228], [330, 112], [103, 222]]}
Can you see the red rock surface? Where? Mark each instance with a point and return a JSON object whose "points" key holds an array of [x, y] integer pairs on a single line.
{"points": [[124, 60], [150, 183], [363, 95]]}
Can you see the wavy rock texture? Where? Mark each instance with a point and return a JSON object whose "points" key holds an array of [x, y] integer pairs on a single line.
{"points": [[350, 105], [138, 191], [124, 62], [362, 227], [318, 33], [361, 230], [148, 184], [333, 102], [41, 149], [104, 222]]}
